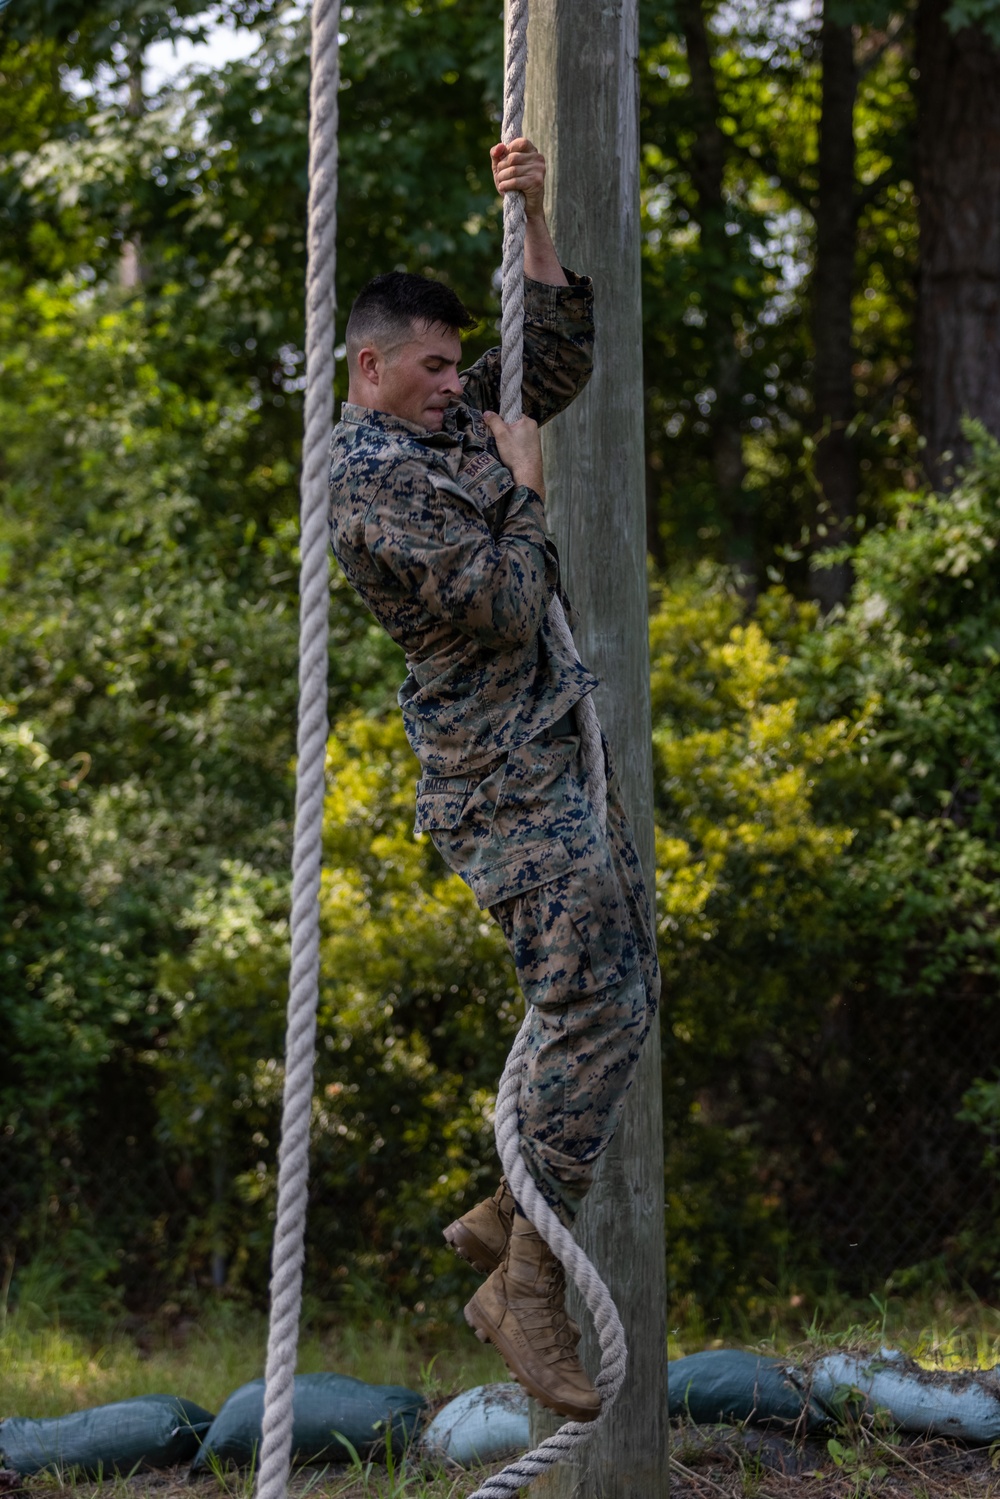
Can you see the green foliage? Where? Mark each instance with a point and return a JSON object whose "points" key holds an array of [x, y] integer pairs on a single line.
{"points": [[49, 1370], [728, 287], [745, 867], [57, 962], [983, 13], [147, 558], [71, 1009], [916, 654], [716, 290], [148, 565], [828, 894], [418, 1009]]}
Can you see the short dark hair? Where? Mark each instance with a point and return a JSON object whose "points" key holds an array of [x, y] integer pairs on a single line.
{"points": [[386, 309]]}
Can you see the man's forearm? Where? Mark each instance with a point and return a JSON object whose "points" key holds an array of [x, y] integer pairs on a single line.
{"points": [[541, 263]]}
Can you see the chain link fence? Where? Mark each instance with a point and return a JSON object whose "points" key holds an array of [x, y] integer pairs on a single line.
{"points": [[860, 1146], [899, 1176]]}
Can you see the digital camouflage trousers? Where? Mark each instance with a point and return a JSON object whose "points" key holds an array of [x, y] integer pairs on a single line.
{"points": [[572, 904]]}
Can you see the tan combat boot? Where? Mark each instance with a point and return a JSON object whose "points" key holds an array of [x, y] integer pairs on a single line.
{"points": [[480, 1235], [520, 1311]]}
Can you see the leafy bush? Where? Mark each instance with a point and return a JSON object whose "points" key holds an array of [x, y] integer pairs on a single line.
{"points": [[70, 1014], [914, 659], [419, 1007], [826, 806], [745, 868], [147, 632]]}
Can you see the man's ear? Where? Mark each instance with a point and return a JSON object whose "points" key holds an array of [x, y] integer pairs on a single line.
{"points": [[368, 365]]}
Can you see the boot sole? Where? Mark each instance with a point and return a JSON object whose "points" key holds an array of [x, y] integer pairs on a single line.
{"points": [[471, 1249], [487, 1331]]}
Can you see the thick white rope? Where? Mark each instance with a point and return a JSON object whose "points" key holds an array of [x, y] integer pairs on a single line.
{"points": [[572, 1434], [300, 1041]]}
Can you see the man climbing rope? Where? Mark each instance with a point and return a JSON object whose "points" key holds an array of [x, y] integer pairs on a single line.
{"points": [[437, 518]]}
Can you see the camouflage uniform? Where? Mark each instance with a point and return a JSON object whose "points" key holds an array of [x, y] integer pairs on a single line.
{"points": [[452, 558]]}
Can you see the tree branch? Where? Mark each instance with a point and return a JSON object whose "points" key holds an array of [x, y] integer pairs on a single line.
{"points": [[892, 35]]}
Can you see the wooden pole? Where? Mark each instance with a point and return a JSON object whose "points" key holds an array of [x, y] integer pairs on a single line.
{"points": [[583, 113]]}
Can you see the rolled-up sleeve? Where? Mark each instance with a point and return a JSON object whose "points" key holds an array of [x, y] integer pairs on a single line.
{"points": [[439, 550], [558, 351]]}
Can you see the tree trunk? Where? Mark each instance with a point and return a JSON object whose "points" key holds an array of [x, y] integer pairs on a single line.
{"points": [[832, 298], [958, 296], [708, 164], [583, 113]]}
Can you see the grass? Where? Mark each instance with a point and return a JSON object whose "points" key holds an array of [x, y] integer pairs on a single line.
{"points": [[49, 1370], [940, 1328], [405, 1484], [365, 1481]]}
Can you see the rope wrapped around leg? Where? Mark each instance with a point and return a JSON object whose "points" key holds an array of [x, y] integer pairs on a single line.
{"points": [[572, 1434]]}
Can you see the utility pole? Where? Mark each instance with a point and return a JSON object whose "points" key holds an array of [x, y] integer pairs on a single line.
{"points": [[583, 113]]}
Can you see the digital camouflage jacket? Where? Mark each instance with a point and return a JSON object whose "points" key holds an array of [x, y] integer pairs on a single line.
{"points": [[451, 556]]}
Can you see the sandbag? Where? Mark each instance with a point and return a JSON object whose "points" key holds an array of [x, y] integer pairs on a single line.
{"points": [[728, 1384], [324, 1408], [149, 1431], [964, 1403], [480, 1426]]}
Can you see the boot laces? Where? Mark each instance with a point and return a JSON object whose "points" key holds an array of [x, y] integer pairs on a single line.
{"points": [[542, 1313]]}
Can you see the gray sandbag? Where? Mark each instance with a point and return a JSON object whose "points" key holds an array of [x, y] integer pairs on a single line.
{"points": [[480, 1426], [963, 1403], [149, 1431], [324, 1408], [728, 1384]]}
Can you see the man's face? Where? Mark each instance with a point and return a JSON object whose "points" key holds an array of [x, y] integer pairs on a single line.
{"points": [[419, 378]]}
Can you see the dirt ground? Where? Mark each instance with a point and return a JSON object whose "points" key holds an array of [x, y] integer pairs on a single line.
{"points": [[707, 1462]]}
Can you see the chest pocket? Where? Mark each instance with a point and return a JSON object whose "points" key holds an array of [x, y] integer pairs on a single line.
{"points": [[441, 800]]}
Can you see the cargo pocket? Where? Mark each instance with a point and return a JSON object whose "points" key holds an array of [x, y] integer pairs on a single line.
{"points": [[441, 801], [571, 936]]}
